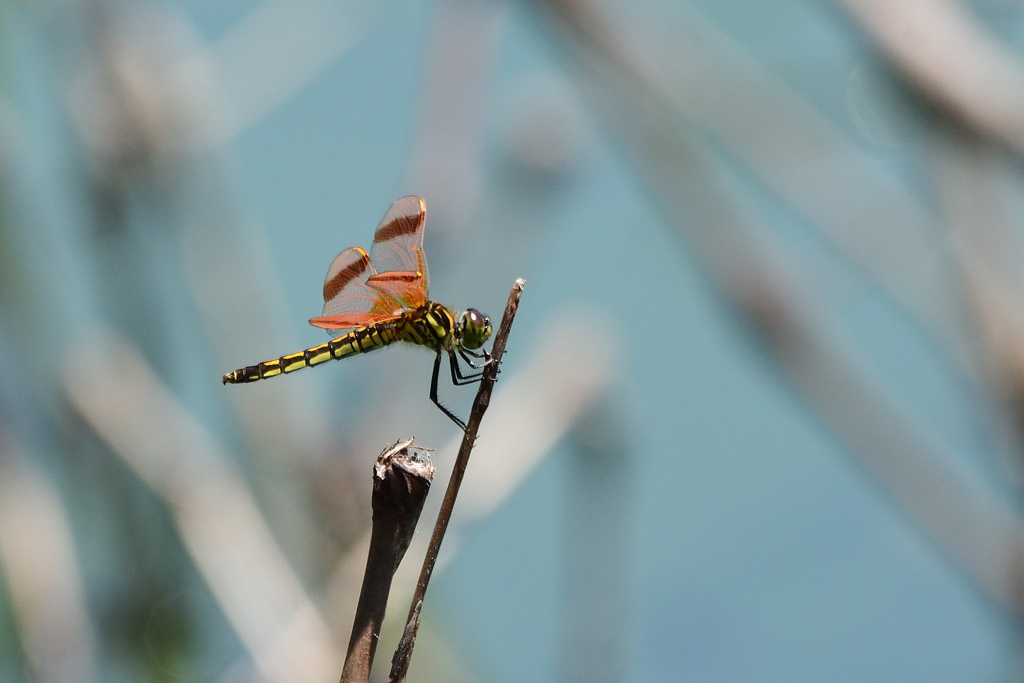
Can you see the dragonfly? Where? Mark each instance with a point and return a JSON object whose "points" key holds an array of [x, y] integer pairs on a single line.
{"points": [[377, 299]]}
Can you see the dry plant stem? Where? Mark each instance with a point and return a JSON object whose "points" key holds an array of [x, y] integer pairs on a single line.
{"points": [[403, 655], [401, 479]]}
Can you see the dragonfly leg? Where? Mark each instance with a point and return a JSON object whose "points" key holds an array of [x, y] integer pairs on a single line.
{"points": [[458, 379], [433, 394], [481, 354], [465, 353]]}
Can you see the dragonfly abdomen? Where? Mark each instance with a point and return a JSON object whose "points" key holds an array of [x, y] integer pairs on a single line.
{"points": [[361, 340]]}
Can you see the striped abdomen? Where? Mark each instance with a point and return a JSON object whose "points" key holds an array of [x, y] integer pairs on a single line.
{"points": [[361, 340]]}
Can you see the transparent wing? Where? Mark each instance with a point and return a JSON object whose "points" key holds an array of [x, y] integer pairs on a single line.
{"points": [[348, 301], [397, 253]]}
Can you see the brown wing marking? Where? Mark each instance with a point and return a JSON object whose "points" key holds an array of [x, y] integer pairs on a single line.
{"points": [[349, 265], [398, 248], [405, 217]]}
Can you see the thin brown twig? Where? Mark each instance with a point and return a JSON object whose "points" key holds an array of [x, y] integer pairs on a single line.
{"points": [[403, 655]]}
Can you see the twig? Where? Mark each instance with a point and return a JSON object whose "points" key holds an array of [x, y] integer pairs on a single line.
{"points": [[401, 479], [541, 400], [403, 655]]}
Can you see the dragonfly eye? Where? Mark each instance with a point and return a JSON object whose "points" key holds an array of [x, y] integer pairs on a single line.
{"points": [[474, 329]]}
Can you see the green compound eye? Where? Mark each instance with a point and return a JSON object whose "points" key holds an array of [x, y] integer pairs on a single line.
{"points": [[475, 329]]}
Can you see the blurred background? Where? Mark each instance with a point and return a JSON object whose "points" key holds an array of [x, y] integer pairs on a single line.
{"points": [[761, 417]]}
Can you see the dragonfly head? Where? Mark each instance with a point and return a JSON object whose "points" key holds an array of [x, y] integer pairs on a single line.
{"points": [[472, 329]]}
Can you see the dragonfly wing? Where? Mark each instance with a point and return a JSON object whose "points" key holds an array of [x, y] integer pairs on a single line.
{"points": [[397, 253], [407, 287], [348, 300]]}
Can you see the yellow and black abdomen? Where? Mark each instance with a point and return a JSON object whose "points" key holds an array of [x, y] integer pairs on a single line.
{"points": [[361, 340], [429, 325]]}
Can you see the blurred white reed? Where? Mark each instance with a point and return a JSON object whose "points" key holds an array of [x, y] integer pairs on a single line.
{"points": [[117, 393], [40, 566], [645, 110], [954, 57]]}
